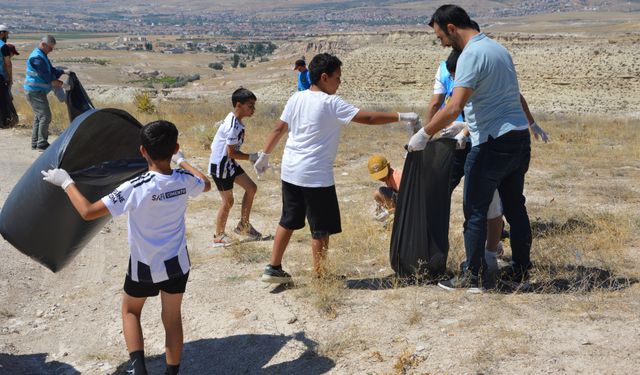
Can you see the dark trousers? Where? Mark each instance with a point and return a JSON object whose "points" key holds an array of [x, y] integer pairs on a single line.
{"points": [[498, 163], [457, 171], [8, 115]]}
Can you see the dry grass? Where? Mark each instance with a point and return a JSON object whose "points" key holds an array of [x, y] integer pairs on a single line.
{"points": [[581, 188], [406, 362], [336, 344]]}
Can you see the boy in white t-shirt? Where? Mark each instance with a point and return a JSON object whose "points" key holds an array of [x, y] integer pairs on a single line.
{"points": [[313, 120], [159, 263], [225, 170]]}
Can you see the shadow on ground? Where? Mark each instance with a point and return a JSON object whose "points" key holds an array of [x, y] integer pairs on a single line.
{"points": [[556, 279], [390, 282], [243, 354], [575, 279], [33, 364], [540, 228]]}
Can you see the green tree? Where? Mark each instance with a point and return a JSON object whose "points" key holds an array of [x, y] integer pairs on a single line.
{"points": [[236, 60]]}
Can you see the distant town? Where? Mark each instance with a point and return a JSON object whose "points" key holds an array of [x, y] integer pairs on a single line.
{"points": [[301, 21]]}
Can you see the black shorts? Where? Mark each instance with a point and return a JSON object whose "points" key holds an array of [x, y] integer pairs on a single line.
{"points": [[389, 193], [224, 184], [140, 290], [319, 205]]}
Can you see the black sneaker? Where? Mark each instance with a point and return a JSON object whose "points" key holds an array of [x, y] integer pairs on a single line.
{"points": [[275, 276], [132, 370], [464, 281], [515, 276], [43, 147]]}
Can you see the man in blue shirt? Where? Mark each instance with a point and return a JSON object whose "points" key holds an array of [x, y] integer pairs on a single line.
{"points": [[486, 87], [304, 79], [40, 79]]}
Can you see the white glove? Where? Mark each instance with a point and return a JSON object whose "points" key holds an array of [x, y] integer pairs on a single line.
{"points": [[538, 132], [461, 141], [262, 163], [453, 129], [58, 177], [419, 141], [253, 157], [178, 158], [411, 117]]}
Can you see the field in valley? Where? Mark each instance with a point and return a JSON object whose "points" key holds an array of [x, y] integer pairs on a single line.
{"points": [[583, 199]]}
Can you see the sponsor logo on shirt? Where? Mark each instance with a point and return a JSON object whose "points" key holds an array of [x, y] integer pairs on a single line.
{"points": [[168, 195], [116, 197]]}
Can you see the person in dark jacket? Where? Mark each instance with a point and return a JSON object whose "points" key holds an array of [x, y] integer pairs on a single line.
{"points": [[8, 115]]}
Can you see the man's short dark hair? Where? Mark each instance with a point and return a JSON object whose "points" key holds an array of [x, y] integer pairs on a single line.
{"points": [[300, 62], [242, 96], [323, 63], [159, 138], [452, 61], [451, 14], [475, 25]]}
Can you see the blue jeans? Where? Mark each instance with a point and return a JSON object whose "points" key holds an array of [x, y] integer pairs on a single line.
{"points": [[498, 163]]}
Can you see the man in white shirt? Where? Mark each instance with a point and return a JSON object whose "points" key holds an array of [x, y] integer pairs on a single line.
{"points": [[313, 120]]}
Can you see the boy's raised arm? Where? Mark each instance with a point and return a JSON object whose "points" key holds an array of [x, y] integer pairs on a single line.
{"points": [[280, 129], [179, 159], [234, 153], [87, 210], [273, 138], [381, 118]]}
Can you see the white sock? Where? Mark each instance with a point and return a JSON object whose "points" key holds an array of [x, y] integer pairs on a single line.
{"points": [[492, 260]]}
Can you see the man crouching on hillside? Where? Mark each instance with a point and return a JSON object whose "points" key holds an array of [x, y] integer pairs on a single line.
{"points": [[313, 120]]}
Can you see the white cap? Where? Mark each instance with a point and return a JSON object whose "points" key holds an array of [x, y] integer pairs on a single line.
{"points": [[4, 28]]}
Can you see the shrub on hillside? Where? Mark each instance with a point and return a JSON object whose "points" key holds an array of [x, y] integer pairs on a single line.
{"points": [[236, 60], [143, 103], [216, 66], [181, 81]]}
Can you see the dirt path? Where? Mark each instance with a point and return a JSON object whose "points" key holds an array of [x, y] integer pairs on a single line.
{"points": [[69, 322]]}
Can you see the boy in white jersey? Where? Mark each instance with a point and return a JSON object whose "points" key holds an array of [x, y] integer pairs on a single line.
{"points": [[156, 202], [313, 120], [225, 170]]}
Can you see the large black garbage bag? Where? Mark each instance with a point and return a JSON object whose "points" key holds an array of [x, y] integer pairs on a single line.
{"points": [[420, 236], [8, 114], [78, 101], [100, 150]]}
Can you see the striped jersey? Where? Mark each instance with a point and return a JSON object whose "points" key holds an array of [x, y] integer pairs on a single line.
{"points": [[230, 133], [156, 204]]}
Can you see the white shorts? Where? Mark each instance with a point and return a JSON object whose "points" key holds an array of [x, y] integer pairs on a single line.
{"points": [[495, 208]]}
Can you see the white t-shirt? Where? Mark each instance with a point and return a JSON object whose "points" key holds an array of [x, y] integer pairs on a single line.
{"points": [[156, 204], [315, 120], [438, 86], [230, 133]]}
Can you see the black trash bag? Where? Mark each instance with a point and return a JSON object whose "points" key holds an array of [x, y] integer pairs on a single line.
{"points": [[8, 114], [78, 101], [420, 236], [100, 150]]}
